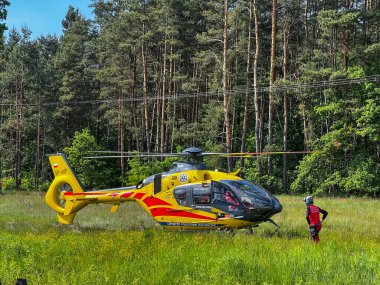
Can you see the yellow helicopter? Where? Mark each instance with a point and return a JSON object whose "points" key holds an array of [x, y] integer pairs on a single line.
{"points": [[187, 197]]}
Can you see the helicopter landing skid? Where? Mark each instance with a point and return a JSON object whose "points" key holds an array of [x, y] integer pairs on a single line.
{"points": [[250, 230], [272, 222], [229, 231]]}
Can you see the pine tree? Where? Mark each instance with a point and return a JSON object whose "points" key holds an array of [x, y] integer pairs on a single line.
{"points": [[71, 65], [3, 17]]}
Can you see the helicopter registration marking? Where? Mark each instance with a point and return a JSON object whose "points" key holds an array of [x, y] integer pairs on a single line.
{"points": [[202, 207], [60, 172], [203, 225], [183, 177]]}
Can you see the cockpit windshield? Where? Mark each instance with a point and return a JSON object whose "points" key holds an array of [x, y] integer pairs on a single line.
{"points": [[249, 193]]}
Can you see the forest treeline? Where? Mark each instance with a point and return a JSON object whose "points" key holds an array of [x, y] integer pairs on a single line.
{"points": [[222, 75]]}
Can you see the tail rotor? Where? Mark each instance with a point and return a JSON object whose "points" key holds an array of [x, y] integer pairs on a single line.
{"points": [[65, 181]]}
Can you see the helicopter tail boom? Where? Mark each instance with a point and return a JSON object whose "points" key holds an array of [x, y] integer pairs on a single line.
{"points": [[64, 176]]}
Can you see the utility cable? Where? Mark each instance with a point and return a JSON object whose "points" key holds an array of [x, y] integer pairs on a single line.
{"points": [[217, 94]]}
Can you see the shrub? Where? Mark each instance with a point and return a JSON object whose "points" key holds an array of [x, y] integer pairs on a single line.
{"points": [[8, 184]]}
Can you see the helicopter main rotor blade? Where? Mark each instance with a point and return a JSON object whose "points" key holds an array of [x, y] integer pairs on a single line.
{"points": [[270, 152], [249, 154], [192, 155], [132, 153], [130, 156], [120, 152]]}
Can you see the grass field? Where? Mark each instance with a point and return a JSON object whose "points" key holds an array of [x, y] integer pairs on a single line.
{"points": [[129, 248]]}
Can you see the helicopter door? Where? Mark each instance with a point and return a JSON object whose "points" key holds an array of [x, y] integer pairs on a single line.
{"points": [[224, 199]]}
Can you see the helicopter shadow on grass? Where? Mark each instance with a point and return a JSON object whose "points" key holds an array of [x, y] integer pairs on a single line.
{"points": [[101, 228], [75, 228], [287, 234], [150, 230], [255, 232]]}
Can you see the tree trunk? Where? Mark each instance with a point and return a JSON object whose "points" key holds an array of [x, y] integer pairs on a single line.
{"points": [[171, 69], [37, 165], [196, 102], [134, 123], [225, 83], [163, 109], [346, 40], [258, 123], [285, 134], [158, 104], [121, 131], [174, 112], [271, 83], [333, 46], [145, 95], [247, 83], [19, 112], [305, 127], [1, 142], [306, 23], [346, 48], [152, 123]]}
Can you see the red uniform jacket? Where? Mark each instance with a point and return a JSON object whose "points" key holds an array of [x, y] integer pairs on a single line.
{"points": [[312, 215]]}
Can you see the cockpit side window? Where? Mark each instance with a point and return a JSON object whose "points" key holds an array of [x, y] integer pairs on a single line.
{"points": [[218, 191], [223, 193], [202, 195]]}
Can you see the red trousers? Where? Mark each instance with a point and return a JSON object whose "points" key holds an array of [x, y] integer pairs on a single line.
{"points": [[314, 232]]}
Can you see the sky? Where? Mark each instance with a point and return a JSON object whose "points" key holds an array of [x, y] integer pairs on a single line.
{"points": [[43, 17]]}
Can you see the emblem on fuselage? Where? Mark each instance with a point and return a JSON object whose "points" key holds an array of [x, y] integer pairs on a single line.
{"points": [[183, 177]]}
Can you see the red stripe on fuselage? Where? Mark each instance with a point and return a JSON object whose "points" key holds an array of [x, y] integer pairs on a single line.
{"points": [[153, 201], [83, 194], [177, 213], [138, 195], [126, 195]]}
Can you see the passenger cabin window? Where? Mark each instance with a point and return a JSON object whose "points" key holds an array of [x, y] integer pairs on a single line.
{"points": [[202, 195], [180, 195]]}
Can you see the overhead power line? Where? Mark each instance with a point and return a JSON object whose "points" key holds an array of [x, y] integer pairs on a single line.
{"points": [[320, 84], [234, 92]]}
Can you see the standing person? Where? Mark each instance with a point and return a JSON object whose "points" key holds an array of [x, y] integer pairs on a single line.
{"points": [[313, 218]]}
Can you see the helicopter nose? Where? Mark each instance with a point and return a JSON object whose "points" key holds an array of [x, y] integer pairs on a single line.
{"points": [[277, 207], [267, 209]]}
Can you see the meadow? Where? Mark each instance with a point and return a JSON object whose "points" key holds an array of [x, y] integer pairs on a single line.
{"points": [[128, 247]]}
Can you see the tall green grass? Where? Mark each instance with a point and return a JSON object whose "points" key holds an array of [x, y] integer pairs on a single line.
{"points": [[129, 248]]}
